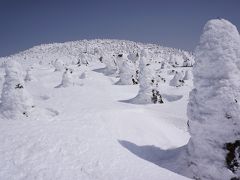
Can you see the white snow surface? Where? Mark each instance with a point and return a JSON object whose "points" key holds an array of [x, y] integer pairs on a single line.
{"points": [[89, 132]]}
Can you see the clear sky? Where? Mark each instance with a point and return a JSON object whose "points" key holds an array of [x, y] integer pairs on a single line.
{"points": [[173, 23]]}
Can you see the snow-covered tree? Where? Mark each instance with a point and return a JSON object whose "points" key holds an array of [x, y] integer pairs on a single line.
{"points": [[133, 57], [58, 65], [67, 78], [119, 61], [148, 90], [172, 60], [214, 109], [187, 63], [29, 76], [109, 61], [83, 59], [127, 73], [177, 80], [15, 99]]}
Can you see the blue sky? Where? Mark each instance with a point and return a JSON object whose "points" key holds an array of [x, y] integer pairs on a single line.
{"points": [[173, 23]]}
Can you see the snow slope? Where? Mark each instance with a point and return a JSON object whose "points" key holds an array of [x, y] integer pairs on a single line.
{"points": [[88, 131]]}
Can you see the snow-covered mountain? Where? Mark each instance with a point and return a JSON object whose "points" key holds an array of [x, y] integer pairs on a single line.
{"points": [[72, 50], [82, 123]]}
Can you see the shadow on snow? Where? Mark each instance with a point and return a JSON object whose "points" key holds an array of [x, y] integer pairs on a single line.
{"points": [[171, 159]]}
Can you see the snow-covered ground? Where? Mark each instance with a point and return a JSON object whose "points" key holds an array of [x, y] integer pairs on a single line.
{"points": [[89, 131]]}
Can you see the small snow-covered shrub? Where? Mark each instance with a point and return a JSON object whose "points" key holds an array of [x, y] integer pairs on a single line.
{"points": [[67, 78]]}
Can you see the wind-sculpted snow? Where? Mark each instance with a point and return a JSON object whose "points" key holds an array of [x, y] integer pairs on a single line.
{"points": [[82, 118], [80, 137]]}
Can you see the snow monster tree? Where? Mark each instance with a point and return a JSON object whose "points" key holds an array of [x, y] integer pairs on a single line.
{"points": [[16, 101], [148, 90], [214, 110], [67, 78], [127, 72]]}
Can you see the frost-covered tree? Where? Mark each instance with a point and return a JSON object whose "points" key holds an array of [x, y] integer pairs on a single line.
{"points": [[15, 99], [187, 63], [127, 73], [148, 90], [83, 59], [58, 65], [29, 76], [214, 109], [67, 78], [172, 60], [119, 61], [177, 80], [133, 57], [109, 61]]}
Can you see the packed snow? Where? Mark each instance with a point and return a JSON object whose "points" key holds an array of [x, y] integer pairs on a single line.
{"points": [[72, 119]]}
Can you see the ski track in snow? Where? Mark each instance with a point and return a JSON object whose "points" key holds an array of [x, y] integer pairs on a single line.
{"points": [[77, 134]]}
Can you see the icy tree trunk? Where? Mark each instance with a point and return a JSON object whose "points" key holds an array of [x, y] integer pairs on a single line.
{"points": [[16, 101], [213, 109]]}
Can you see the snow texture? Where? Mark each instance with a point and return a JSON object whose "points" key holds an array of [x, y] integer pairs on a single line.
{"points": [[89, 132]]}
